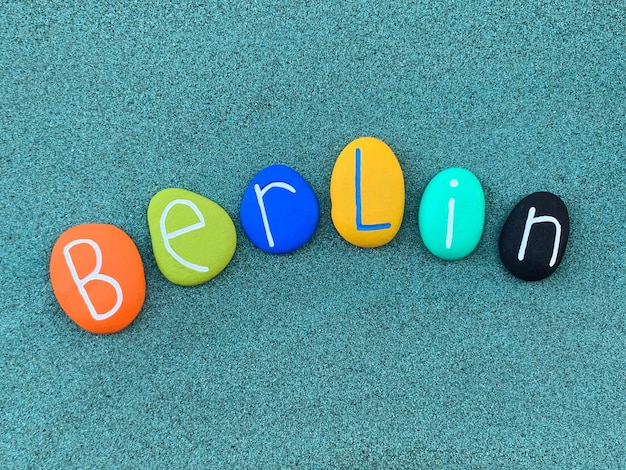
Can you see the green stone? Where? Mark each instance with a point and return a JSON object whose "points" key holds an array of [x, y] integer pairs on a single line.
{"points": [[193, 238], [452, 214]]}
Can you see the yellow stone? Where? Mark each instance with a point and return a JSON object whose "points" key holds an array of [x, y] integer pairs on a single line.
{"points": [[367, 193]]}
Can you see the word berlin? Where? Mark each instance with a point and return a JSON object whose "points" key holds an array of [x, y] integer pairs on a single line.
{"points": [[97, 273]]}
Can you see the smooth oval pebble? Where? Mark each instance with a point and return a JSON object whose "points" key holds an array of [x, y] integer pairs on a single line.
{"points": [[452, 214], [98, 278], [193, 238], [279, 210], [534, 237], [367, 193]]}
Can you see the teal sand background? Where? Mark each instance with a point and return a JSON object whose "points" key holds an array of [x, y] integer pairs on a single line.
{"points": [[332, 356]]}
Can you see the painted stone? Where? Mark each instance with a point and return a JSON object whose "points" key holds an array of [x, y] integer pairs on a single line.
{"points": [[452, 214], [97, 276], [534, 236], [367, 193], [279, 210], [193, 238]]}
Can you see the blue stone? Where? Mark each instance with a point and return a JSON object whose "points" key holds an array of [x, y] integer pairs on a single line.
{"points": [[279, 210]]}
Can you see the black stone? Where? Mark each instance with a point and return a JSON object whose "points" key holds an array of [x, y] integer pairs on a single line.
{"points": [[537, 259]]}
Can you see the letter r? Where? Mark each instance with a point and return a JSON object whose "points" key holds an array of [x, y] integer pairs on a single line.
{"points": [[260, 192]]}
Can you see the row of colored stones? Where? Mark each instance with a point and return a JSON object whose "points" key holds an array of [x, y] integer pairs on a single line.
{"points": [[97, 273]]}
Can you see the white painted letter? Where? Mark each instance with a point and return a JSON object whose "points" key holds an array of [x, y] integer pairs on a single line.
{"points": [[94, 275], [259, 197], [190, 228], [530, 221], [454, 183], [450, 228]]}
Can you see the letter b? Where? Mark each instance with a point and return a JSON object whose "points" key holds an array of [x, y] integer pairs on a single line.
{"points": [[94, 275], [97, 277]]}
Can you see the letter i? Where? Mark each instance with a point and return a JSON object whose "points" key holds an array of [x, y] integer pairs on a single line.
{"points": [[450, 228]]}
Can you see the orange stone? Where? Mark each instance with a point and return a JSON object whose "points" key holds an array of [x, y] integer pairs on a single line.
{"points": [[98, 278]]}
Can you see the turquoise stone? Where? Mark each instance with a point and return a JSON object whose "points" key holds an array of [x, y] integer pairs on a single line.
{"points": [[452, 214]]}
